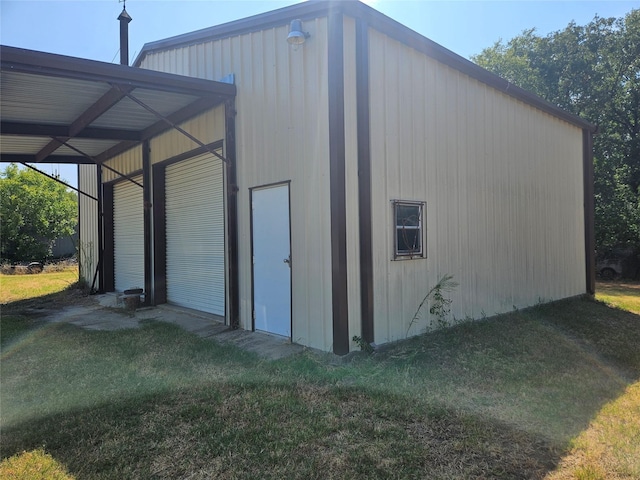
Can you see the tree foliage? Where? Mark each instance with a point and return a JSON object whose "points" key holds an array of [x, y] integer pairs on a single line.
{"points": [[592, 71], [34, 211]]}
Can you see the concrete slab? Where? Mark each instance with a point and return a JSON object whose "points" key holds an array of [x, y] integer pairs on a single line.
{"points": [[106, 313]]}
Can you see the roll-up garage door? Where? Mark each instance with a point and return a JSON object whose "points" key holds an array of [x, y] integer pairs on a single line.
{"points": [[128, 233], [194, 199]]}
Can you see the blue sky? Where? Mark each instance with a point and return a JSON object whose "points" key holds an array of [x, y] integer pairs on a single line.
{"points": [[89, 28]]}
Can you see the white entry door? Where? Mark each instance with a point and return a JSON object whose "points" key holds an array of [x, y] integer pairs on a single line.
{"points": [[271, 260]]}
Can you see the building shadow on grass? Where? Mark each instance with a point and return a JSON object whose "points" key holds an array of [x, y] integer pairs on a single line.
{"points": [[558, 365], [235, 430]]}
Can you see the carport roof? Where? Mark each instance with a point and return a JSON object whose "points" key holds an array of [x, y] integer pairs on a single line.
{"points": [[59, 109]]}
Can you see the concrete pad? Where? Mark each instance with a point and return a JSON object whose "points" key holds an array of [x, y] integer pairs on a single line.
{"points": [[106, 313], [264, 345], [93, 317]]}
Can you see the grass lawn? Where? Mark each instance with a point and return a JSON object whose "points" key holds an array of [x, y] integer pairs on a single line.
{"points": [[621, 295], [553, 391], [610, 447], [23, 287]]}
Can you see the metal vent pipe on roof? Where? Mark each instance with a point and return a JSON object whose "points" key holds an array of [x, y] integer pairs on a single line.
{"points": [[124, 36]]}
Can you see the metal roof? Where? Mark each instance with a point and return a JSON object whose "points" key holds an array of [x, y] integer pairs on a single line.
{"points": [[53, 107]]}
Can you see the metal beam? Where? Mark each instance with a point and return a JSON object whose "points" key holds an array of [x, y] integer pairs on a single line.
{"points": [[147, 223], [589, 211], [106, 270], [115, 150], [231, 191], [337, 185], [50, 130], [28, 158], [60, 181], [50, 147], [100, 164], [174, 125], [102, 105], [182, 115]]}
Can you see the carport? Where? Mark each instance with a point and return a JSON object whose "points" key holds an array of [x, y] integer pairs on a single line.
{"points": [[66, 110]]}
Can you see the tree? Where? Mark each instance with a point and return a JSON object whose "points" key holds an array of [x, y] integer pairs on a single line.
{"points": [[34, 211], [592, 71]]}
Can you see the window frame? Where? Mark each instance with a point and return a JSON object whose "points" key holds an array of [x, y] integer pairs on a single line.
{"points": [[407, 254]]}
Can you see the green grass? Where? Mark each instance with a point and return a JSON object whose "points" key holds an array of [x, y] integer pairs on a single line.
{"points": [[22, 287], [507, 397]]}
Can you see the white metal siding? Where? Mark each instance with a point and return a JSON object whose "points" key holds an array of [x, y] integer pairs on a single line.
{"points": [[128, 233], [282, 135], [88, 223], [502, 182], [208, 128], [194, 199], [127, 162]]}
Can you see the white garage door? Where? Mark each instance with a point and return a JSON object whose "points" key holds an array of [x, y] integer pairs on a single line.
{"points": [[128, 232], [194, 199]]}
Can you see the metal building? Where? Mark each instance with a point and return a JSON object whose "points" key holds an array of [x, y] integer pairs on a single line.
{"points": [[313, 171]]}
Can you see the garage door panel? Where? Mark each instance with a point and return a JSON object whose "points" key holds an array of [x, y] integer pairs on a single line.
{"points": [[128, 232], [195, 234]]}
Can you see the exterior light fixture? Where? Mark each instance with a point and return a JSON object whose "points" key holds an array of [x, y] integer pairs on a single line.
{"points": [[296, 35]]}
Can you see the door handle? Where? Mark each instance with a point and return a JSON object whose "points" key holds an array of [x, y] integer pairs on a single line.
{"points": [[288, 261]]}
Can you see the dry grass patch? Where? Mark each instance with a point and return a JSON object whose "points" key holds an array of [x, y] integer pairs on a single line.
{"points": [[610, 448], [34, 465], [625, 295]]}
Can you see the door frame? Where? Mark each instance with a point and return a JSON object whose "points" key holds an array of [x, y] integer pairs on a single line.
{"points": [[286, 183]]}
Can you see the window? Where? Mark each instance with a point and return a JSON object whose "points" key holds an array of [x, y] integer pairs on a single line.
{"points": [[408, 223]]}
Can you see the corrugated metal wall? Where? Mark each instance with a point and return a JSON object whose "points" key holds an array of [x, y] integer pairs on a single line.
{"points": [[502, 182], [127, 162], [282, 135], [88, 223], [208, 128]]}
